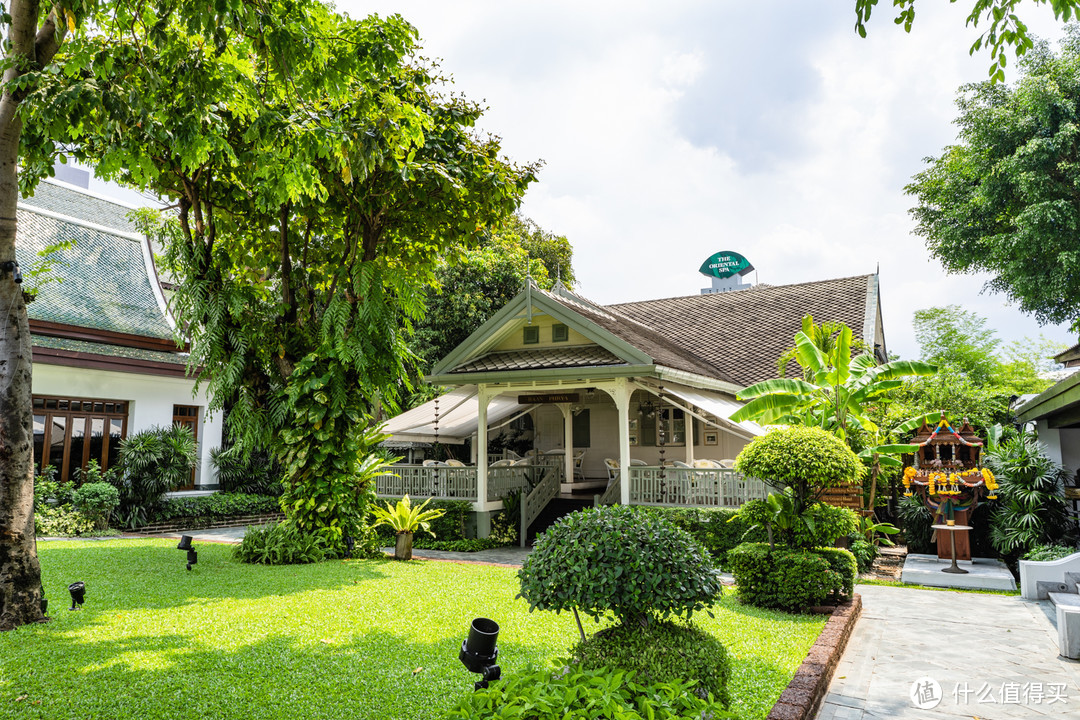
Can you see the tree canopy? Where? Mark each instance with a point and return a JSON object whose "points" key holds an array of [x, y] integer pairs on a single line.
{"points": [[474, 284], [319, 171], [1003, 200], [1004, 28]]}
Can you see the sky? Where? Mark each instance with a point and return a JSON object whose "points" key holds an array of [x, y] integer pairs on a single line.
{"points": [[670, 131]]}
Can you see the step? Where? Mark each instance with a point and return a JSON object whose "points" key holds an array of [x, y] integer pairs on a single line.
{"points": [[1064, 599]]}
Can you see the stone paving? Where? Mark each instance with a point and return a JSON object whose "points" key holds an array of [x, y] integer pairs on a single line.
{"points": [[992, 656]]}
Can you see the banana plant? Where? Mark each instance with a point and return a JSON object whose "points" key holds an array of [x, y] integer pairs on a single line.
{"points": [[837, 388]]}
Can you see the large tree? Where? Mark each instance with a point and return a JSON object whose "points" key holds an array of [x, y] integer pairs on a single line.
{"points": [[317, 169], [474, 284], [1004, 199]]}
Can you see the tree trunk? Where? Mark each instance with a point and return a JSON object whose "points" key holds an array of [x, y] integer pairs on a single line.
{"points": [[20, 573], [403, 549]]}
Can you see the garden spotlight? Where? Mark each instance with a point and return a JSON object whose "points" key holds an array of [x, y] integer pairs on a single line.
{"points": [[78, 592], [480, 651], [192, 555]]}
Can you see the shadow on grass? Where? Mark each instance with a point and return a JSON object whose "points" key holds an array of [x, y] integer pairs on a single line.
{"points": [[372, 675], [152, 573]]}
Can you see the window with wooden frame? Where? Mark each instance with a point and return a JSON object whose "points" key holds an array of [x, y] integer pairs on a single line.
{"points": [[530, 335], [70, 432], [560, 333]]}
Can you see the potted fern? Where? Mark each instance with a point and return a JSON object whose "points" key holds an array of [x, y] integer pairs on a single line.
{"points": [[404, 519]]}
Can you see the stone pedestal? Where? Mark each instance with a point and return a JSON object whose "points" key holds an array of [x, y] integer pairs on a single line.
{"points": [[963, 540]]}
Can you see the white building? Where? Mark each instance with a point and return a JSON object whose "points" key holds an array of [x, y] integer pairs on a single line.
{"points": [[106, 362]]}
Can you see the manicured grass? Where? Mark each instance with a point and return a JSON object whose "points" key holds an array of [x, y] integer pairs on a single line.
{"points": [[364, 639]]}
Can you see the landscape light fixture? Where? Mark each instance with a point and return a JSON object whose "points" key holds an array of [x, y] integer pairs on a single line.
{"points": [[78, 592], [480, 651], [192, 555], [44, 602]]}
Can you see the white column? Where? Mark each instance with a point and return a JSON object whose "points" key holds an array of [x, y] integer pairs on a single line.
{"points": [[568, 441], [688, 422], [482, 398], [621, 396], [474, 444]]}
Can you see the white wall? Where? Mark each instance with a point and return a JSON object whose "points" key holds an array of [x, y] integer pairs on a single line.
{"points": [[151, 399]]}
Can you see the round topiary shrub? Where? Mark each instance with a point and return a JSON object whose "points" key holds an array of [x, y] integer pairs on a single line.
{"points": [[661, 652], [806, 459], [619, 560]]}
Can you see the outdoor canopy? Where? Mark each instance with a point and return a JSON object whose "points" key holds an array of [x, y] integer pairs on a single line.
{"points": [[457, 419]]}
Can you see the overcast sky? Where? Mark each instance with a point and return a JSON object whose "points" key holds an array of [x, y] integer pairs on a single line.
{"points": [[673, 130]]}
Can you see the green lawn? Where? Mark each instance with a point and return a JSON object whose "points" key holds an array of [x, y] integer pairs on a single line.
{"points": [[363, 639]]}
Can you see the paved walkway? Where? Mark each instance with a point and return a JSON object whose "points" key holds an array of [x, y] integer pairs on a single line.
{"points": [[992, 657]]}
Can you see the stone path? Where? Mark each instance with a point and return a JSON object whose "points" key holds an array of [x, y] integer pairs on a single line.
{"points": [[498, 556], [992, 657]]}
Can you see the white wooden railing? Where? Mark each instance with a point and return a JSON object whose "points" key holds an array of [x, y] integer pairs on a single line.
{"points": [[458, 483], [612, 495], [534, 501], [704, 487]]}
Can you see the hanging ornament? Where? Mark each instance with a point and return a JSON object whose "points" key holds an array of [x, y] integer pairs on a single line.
{"points": [[662, 440]]}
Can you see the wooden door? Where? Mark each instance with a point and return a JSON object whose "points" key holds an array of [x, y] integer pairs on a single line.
{"points": [[187, 416]]}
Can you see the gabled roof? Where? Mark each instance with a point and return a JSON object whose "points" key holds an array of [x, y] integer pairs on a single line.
{"points": [[106, 277], [741, 334], [729, 338]]}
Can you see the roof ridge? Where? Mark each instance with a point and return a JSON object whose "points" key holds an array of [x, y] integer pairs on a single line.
{"points": [[29, 207], [64, 185], [756, 288]]}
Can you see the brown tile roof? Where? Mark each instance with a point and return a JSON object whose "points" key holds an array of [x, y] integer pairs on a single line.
{"points": [[739, 335], [641, 335], [540, 359]]}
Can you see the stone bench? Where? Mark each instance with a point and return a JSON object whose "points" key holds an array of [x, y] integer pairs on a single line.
{"points": [[1068, 623]]}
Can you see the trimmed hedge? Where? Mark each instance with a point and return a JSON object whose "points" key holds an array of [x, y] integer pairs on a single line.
{"points": [[721, 530], [788, 579], [718, 529], [218, 505], [660, 652]]}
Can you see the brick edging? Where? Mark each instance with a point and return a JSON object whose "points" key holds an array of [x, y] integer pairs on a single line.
{"points": [[803, 695]]}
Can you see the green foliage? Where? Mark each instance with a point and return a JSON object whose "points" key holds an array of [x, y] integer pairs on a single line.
{"points": [[462, 545], [450, 526], [404, 518], [216, 506], [256, 473], [475, 284], [1031, 510], [1004, 28], [152, 462], [865, 552], [822, 524], [718, 529], [791, 579], [315, 192], [916, 520], [1002, 200], [1048, 553], [573, 692], [809, 460], [282, 544], [836, 390], [62, 521], [96, 501], [958, 339], [618, 560], [661, 652]]}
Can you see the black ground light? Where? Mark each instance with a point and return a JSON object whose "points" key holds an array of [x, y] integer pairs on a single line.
{"points": [[480, 651], [44, 602], [192, 555], [78, 592]]}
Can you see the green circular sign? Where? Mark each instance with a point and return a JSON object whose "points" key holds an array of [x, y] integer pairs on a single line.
{"points": [[725, 264]]}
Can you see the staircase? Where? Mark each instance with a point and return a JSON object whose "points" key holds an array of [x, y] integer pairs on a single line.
{"points": [[557, 508]]}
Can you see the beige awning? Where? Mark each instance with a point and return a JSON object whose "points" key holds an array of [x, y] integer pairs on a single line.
{"points": [[457, 415]]}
